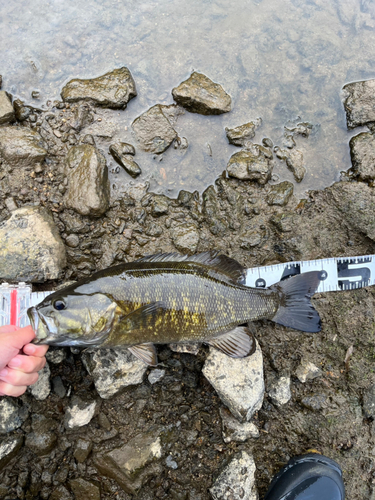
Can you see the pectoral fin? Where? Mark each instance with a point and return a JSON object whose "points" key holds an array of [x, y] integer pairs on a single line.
{"points": [[237, 343], [142, 317], [146, 353]]}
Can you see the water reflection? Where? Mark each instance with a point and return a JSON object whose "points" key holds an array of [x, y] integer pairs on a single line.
{"points": [[282, 60]]}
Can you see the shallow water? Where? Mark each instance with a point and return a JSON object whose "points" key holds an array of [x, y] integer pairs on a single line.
{"points": [[282, 60]]}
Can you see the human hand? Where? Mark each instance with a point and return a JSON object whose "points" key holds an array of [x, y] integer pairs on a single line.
{"points": [[19, 360]]}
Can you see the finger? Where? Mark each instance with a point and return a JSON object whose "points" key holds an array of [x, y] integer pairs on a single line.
{"points": [[18, 338], [35, 350], [8, 328], [11, 390], [27, 364], [18, 378]]}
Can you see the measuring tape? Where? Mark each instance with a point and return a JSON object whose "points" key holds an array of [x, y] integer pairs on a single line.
{"points": [[338, 273]]}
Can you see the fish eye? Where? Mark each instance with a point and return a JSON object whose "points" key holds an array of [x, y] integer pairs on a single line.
{"points": [[59, 305]]}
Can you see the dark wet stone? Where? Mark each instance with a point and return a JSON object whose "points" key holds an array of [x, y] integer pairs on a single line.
{"points": [[211, 210], [302, 128], [82, 116], [82, 450], [88, 184], [130, 166], [294, 161], [369, 401], [60, 493], [315, 402], [130, 465], [104, 421], [185, 237], [159, 205], [9, 447], [84, 489], [6, 109], [31, 231], [199, 94], [267, 143], [359, 103], [112, 90], [249, 239], [88, 139], [186, 198], [362, 152], [119, 149], [238, 136], [20, 147], [58, 387], [153, 229], [280, 194], [22, 112], [245, 165], [43, 438], [153, 129]]}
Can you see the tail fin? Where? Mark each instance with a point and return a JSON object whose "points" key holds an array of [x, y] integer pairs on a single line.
{"points": [[296, 310]]}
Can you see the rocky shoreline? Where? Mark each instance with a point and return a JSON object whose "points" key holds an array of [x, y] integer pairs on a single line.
{"points": [[101, 424]]}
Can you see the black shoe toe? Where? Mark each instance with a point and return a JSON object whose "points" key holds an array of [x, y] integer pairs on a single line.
{"points": [[308, 477]]}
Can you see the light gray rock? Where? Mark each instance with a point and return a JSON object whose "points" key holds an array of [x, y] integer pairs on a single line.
{"points": [[185, 237], [6, 109], [41, 389], [233, 430], [31, 231], [280, 392], [237, 480], [113, 370], [153, 129], [199, 94], [362, 152], [88, 184], [112, 90], [280, 194], [238, 382], [307, 371], [9, 448], [252, 165], [79, 413], [156, 375], [56, 356], [238, 136], [172, 464], [132, 463], [359, 103], [294, 161], [21, 147], [11, 415]]}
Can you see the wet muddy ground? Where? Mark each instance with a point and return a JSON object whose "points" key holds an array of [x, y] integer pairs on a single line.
{"points": [[332, 413]]}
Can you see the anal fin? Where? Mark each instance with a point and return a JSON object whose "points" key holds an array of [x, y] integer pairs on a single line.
{"points": [[146, 353], [237, 343]]}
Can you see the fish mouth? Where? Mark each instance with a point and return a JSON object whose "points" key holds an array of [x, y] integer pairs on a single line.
{"points": [[41, 328]]}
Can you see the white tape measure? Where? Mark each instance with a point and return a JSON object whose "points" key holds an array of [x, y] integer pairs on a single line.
{"points": [[337, 273]]}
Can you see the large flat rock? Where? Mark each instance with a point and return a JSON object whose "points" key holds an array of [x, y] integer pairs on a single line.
{"points": [[199, 94], [31, 248], [112, 90], [238, 382], [362, 152], [6, 109]]}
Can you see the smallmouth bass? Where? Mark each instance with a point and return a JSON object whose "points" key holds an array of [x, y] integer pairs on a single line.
{"points": [[172, 298]]}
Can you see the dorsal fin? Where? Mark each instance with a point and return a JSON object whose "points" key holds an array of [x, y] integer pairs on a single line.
{"points": [[213, 259]]}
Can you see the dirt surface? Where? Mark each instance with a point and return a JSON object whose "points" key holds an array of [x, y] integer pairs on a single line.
{"points": [[326, 414]]}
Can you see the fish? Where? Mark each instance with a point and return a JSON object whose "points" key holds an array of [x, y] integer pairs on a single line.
{"points": [[172, 298]]}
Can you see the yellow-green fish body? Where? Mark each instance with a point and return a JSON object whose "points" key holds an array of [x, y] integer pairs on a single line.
{"points": [[166, 298]]}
